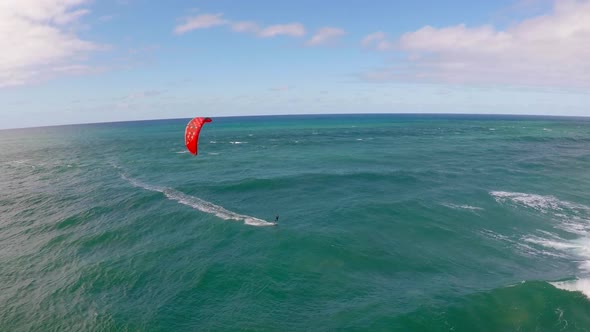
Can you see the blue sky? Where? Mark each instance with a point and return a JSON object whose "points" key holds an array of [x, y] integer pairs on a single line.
{"points": [[79, 61]]}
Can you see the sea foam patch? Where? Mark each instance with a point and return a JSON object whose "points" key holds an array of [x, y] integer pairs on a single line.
{"points": [[578, 285], [577, 250], [571, 217], [568, 216], [538, 202], [462, 207]]}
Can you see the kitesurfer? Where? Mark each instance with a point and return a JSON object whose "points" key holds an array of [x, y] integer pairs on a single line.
{"points": [[277, 218]]}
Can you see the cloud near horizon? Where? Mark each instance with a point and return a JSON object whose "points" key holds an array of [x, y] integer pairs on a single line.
{"points": [[52, 47], [548, 50]]}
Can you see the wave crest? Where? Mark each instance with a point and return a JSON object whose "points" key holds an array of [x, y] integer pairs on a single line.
{"points": [[538, 202], [577, 285]]}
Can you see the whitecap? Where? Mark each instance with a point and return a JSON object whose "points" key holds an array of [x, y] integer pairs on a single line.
{"points": [[576, 250], [574, 225], [494, 235], [462, 207], [18, 162], [551, 243], [521, 246], [538, 202], [578, 285], [567, 216]]}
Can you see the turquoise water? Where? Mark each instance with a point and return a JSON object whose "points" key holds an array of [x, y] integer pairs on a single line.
{"points": [[387, 223]]}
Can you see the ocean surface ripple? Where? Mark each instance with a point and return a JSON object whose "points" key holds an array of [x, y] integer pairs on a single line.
{"points": [[387, 223]]}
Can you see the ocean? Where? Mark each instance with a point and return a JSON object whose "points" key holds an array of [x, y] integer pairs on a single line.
{"points": [[386, 223]]}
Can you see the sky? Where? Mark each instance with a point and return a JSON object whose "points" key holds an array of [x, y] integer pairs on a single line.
{"points": [[82, 61]]}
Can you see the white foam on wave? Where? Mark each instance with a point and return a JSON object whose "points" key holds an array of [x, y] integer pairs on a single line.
{"points": [[17, 162], [538, 202], [575, 225], [494, 235], [534, 251], [462, 207], [568, 216], [551, 243], [582, 250], [578, 285], [200, 204], [238, 142], [182, 152], [577, 250], [521, 246], [573, 218]]}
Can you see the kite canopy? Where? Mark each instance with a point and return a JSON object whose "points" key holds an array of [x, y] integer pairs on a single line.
{"points": [[191, 134]]}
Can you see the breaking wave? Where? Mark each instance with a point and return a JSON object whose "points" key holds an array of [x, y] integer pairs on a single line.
{"points": [[538, 202], [570, 217]]}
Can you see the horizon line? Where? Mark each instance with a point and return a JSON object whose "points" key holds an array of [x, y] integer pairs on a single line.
{"points": [[305, 114]]}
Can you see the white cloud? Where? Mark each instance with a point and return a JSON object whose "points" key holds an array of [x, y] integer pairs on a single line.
{"points": [[200, 22], [212, 20], [245, 26], [325, 36], [71, 17], [37, 40], [292, 29], [377, 41], [549, 50]]}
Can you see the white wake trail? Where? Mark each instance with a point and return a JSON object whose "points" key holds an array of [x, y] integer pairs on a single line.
{"points": [[200, 204]]}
